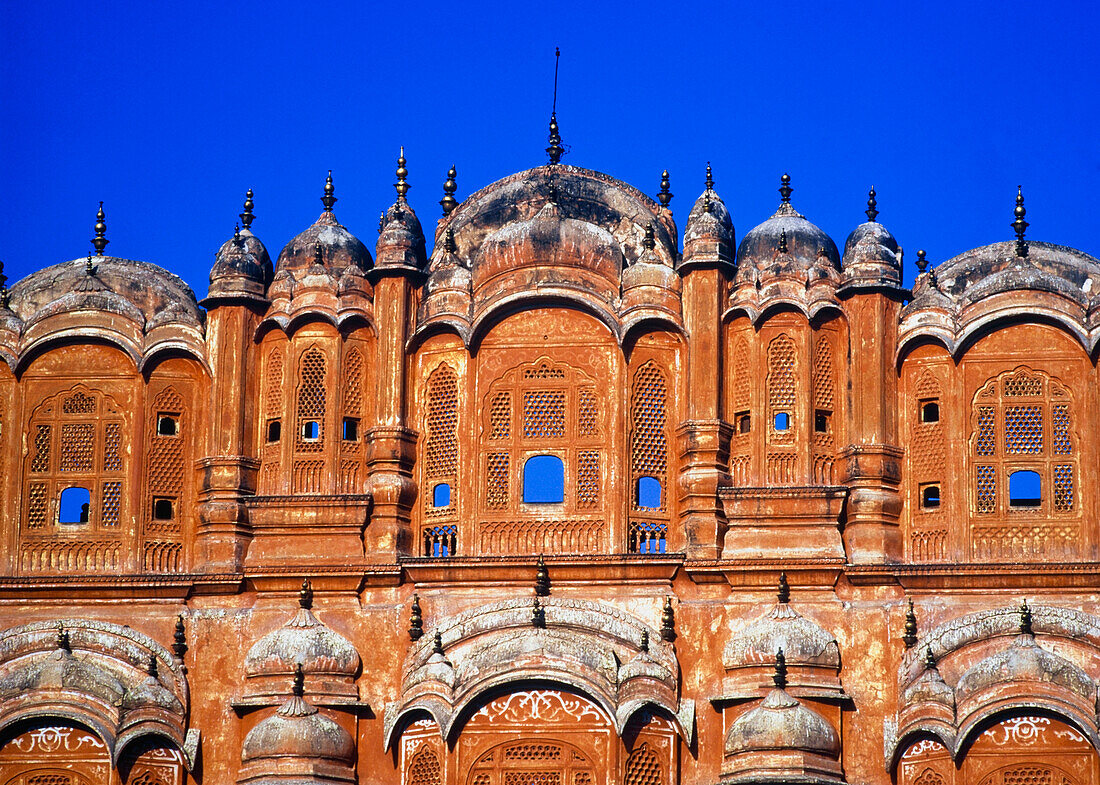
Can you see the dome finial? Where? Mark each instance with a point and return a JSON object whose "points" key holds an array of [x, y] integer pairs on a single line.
{"points": [[448, 202], [247, 217], [649, 240], [179, 639], [783, 241], [645, 641], [1025, 619], [542, 579], [872, 213], [305, 594], [5, 297], [437, 643], [449, 244], [668, 621], [538, 614], [63, 642], [99, 242], [665, 195], [710, 178], [1020, 225], [922, 263], [151, 668], [402, 184], [910, 634], [299, 688], [237, 234], [328, 200], [785, 189], [555, 150], [88, 268], [780, 677], [707, 206], [784, 589], [416, 620], [929, 659]]}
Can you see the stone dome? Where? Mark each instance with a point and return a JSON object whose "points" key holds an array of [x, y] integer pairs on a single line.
{"points": [[810, 252], [548, 239], [929, 687], [1021, 662], [782, 723], [803, 642], [306, 641], [871, 256], [401, 242], [241, 267], [325, 241], [297, 730]]}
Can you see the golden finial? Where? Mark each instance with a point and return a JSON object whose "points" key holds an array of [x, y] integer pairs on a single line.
{"points": [[99, 242], [247, 217], [785, 188], [329, 199], [1020, 225], [402, 184], [448, 202], [710, 178], [780, 677], [872, 213], [665, 195]]}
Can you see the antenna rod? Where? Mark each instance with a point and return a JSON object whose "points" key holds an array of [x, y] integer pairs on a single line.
{"points": [[557, 56]]}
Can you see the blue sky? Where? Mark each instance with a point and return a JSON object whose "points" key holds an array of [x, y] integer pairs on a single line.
{"points": [[169, 112]]}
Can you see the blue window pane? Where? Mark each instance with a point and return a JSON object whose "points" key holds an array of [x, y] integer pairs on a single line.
{"points": [[649, 493], [1024, 489], [311, 431], [441, 495], [544, 480], [75, 505], [782, 421]]}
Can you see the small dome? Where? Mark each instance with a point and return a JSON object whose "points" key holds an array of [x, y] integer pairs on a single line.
{"points": [[871, 255], [642, 665], [929, 687], [242, 266], [401, 243], [297, 730], [709, 231], [336, 247], [808, 250], [549, 240], [782, 723], [302, 640], [802, 641], [1021, 662]]}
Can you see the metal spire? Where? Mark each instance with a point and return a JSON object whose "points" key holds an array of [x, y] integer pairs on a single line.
{"points": [[402, 184], [922, 263], [542, 579], [784, 589], [88, 268], [538, 614], [785, 188], [1020, 225], [4, 297], [665, 195], [555, 150], [305, 594], [1025, 619], [328, 200], [645, 641], [63, 638], [247, 217], [416, 620], [448, 202], [668, 621], [929, 659], [179, 639], [151, 668], [649, 240], [910, 636], [783, 241], [99, 242], [437, 643], [299, 688], [872, 213], [710, 178], [449, 243]]}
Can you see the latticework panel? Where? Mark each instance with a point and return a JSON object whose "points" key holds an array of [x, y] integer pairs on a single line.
{"points": [[643, 767], [1023, 385], [353, 383], [1028, 775], [500, 415], [273, 381], [782, 385], [781, 467], [110, 503], [441, 424], [647, 537], [1063, 487], [587, 409], [112, 447], [79, 403], [37, 505], [164, 465], [311, 399], [42, 438], [544, 414], [532, 778], [1023, 430], [1059, 425], [928, 777], [440, 540], [985, 489], [49, 779], [742, 381], [496, 481], [424, 768], [77, 447], [824, 385], [543, 371], [588, 479], [534, 751], [648, 415], [348, 479], [986, 443], [162, 556]]}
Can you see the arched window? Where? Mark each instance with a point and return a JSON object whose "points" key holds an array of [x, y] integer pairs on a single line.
{"points": [[74, 505], [647, 531], [439, 424], [1023, 469], [544, 480]]}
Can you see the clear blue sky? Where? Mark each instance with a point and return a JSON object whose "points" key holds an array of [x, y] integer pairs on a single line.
{"points": [[169, 112]]}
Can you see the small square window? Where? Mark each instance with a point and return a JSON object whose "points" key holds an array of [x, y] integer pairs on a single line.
{"points": [[821, 421], [274, 430], [782, 421], [743, 421], [930, 496], [929, 411], [351, 429], [167, 424], [164, 509], [311, 431]]}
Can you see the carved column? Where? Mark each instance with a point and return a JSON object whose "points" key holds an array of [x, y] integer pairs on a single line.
{"points": [[230, 468], [871, 464]]}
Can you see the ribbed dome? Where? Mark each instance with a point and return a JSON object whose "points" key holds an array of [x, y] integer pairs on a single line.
{"points": [[242, 266], [782, 723], [1025, 661], [297, 730], [871, 255], [401, 242], [549, 240], [709, 229], [328, 241], [303, 639], [802, 641]]}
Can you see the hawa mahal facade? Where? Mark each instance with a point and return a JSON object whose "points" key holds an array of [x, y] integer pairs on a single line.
{"points": [[567, 501]]}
